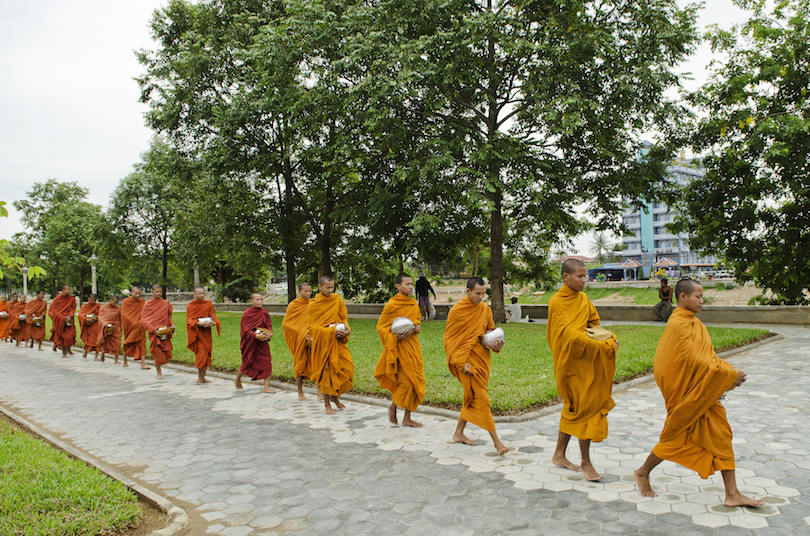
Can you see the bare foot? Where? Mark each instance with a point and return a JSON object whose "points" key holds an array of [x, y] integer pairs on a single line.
{"points": [[330, 411], [40, 349], [590, 473], [238, 383], [70, 352], [501, 449], [562, 461], [85, 353], [392, 414], [268, 390], [96, 359], [643, 483], [302, 397], [54, 347], [339, 404], [102, 359], [461, 438], [411, 422], [206, 380], [320, 396], [159, 376], [738, 499], [125, 366], [199, 381]]}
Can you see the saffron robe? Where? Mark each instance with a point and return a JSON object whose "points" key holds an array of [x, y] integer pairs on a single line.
{"points": [[15, 309], [24, 333], [110, 344], [584, 367], [332, 364], [89, 333], [295, 331], [4, 321], [199, 338], [400, 368], [134, 335], [36, 307], [256, 359], [466, 322], [63, 309], [157, 313], [692, 379]]}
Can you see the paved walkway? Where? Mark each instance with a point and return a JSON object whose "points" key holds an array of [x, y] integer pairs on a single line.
{"points": [[246, 463]]}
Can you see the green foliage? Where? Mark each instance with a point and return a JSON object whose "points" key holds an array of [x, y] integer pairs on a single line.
{"points": [[753, 202], [45, 492]]}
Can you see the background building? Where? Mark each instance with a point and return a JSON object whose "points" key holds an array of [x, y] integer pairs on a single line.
{"points": [[651, 246]]}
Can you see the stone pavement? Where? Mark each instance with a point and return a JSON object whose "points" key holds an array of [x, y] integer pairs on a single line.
{"points": [[246, 463]]}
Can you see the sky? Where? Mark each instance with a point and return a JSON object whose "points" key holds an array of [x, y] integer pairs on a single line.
{"points": [[69, 102]]}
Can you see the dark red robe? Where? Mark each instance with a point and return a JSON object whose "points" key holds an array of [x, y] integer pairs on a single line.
{"points": [[256, 360], [63, 309]]}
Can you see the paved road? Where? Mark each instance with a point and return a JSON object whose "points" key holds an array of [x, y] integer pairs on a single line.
{"points": [[247, 463]]}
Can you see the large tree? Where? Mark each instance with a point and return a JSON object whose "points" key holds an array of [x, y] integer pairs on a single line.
{"points": [[540, 105], [753, 204]]}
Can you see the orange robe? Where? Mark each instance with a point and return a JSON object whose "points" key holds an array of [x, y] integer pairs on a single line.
{"points": [[14, 310], [400, 368], [89, 333], [36, 308], [692, 379], [134, 335], [584, 368], [63, 311], [294, 327], [24, 333], [157, 313], [332, 365], [199, 338], [109, 314], [465, 323], [4, 321]]}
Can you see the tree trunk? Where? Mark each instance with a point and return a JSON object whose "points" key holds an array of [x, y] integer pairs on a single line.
{"points": [[288, 233], [165, 269], [496, 253]]}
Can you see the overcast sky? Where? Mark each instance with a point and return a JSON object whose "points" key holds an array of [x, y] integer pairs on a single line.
{"points": [[69, 104]]}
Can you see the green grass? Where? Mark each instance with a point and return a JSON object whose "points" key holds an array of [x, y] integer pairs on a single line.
{"points": [[641, 296], [44, 492], [522, 374]]}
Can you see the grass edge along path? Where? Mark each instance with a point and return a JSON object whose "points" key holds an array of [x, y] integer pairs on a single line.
{"points": [[522, 377], [48, 493]]}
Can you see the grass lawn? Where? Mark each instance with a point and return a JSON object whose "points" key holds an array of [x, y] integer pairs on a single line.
{"points": [[44, 492], [641, 296], [522, 374]]}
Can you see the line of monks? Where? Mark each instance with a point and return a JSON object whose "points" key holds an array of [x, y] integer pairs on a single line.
{"points": [[690, 375]]}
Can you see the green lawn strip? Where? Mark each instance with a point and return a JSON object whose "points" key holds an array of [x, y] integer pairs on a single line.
{"points": [[44, 492], [522, 374], [641, 296]]}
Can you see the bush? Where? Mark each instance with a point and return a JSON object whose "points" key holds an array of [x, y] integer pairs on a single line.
{"points": [[720, 286]]}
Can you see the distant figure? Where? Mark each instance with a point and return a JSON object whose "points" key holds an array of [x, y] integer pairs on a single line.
{"points": [[663, 308], [35, 312], [4, 317], [22, 327], [200, 319], [296, 336], [62, 313], [513, 312], [88, 320], [256, 330], [134, 334], [109, 336], [692, 379], [423, 291]]}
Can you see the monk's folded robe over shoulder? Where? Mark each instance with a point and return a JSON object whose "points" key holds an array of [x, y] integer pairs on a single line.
{"points": [[132, 327], [108, 314], [466, 322], [63, 310], [332, 364], [36, 308], [89, 332], [257, 361], [199, 338], [400, 368], [295, 331], [4, 321], [692, 379], [157, 313], [584, 365]]}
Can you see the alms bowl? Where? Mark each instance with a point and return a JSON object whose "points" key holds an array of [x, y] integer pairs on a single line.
{"points": [[401, 325], [490, 337]]}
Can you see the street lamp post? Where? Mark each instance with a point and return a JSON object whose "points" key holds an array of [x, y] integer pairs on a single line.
{"points": [[24, 270], [93, 259]]}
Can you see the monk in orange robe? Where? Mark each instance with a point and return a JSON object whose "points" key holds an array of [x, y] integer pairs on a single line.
{"points": [[296, 335], [400, 368], [157, 313], [134, 335], [692, 379], [13, 311], [35, 312], [109, 319], [4, 318], [255, 330], [88, 320], [62, 313], [24, 330], [469, 360], [584, 364], [199, 332], [332, 365]]}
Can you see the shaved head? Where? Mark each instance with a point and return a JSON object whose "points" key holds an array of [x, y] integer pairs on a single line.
{"points": [[474, 282], [571, 266], [303, 284], [325, 279], [687, 286]]}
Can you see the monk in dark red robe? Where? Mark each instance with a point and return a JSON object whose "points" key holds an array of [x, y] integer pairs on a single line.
{"points": [[134, 335], [156, 314], [256, 331], [35, 311], [109, 319], [23, 327], [4, 318], [13, 311], [200, 318], [62, 313], [88, 320]]}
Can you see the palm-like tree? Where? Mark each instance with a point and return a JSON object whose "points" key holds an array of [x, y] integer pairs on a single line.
{"points": [[600, 246]]}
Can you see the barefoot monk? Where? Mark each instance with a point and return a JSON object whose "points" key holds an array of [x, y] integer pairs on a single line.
{"points": [[156, 318], [200, 318], [133, 332], [296, 336], [256, 331]]}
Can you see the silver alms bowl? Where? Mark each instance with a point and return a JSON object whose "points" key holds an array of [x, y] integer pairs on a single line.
{"points": [[496, 334], [401, 325]]}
